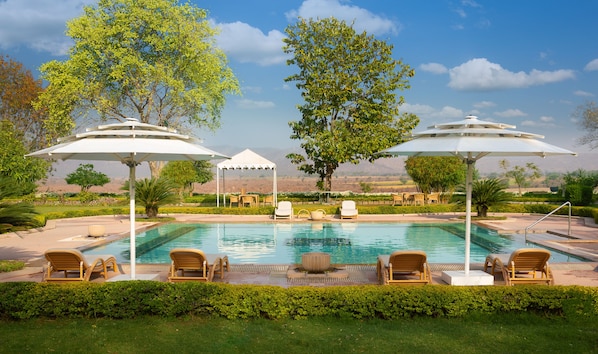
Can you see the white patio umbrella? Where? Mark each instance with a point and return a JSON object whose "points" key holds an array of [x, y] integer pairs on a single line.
{"points": [[131, 143], [471, 139]]}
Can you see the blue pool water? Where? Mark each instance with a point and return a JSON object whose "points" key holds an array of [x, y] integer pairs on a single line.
{"points": [[347, 243]]}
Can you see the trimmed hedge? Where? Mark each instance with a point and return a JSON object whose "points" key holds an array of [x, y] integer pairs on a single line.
{"points": [[27, 300]]}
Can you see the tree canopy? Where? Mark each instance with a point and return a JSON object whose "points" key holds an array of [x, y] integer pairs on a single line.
{"points": [[154, 60], [522, 175], [23, 172], [184, 173], [440, 174], [587, 116], [18, 91], [348, 82], [86, 177]]}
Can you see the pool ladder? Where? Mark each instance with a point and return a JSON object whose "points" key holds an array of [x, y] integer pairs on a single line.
{"points": [[547, 215]]}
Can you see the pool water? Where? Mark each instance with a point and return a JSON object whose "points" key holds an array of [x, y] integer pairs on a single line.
{"points": [[347, 243]]}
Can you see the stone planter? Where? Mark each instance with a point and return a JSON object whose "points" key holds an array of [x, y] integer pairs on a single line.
{"points": [[315, 262], [317, 214], [96, 230]]}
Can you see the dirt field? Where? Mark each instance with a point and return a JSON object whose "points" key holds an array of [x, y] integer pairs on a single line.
{"points": [[261, 184]]}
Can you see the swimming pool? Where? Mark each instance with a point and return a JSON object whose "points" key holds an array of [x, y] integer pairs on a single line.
{"points": [[347, 243]]}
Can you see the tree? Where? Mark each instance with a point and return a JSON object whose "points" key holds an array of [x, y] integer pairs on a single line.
{"points": [[184, 173], [486, 193], [153, 193], [86, 177], [348, 83], [155, 60], [23, 172], [587, 116], [18, 90], [521, 175], [439, 174]]}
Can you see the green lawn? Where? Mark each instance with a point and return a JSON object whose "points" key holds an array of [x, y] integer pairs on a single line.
{"points": [[495, 334]]}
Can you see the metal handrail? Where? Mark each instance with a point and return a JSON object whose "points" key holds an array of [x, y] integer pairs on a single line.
{"points": [[547, 215]]}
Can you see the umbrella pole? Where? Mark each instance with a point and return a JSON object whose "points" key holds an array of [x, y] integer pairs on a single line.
{"points": [[468, 188], [132, 217]]}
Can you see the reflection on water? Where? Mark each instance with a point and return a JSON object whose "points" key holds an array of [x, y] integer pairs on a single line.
{"points": [[346, 242]]}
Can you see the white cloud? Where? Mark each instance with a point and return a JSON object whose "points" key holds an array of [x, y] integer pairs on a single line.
{"points": [[546, 119], [449, 112], [479, 74], [416, 108], [484, 104], [364, 19], [434, 68], [38, 24], [426, 111], [592, 66], [250, 45], [252, 104], [583, 93], [511, 113]]}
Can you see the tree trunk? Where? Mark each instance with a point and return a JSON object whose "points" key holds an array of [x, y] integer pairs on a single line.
{"points": [[151, 211], [156, 167]]}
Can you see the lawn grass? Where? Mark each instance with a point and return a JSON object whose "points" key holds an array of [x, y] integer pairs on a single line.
{"points": [[523, 333]]}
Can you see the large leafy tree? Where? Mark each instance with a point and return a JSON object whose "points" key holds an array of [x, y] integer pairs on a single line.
{"points": [[348, 82], [23, 172], [154, 60], [441, 174], [18, 91], [86, 177], [184, 173]]}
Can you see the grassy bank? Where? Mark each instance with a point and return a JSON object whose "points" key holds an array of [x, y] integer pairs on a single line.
{"points": [[522, 333]]}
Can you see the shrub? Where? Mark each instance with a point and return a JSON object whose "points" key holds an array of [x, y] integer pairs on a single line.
{"points": [[26, 300]]}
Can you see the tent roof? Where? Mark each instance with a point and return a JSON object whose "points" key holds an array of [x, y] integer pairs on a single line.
{"points": [[246, 160]]}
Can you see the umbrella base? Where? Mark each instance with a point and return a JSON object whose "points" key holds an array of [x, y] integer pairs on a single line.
{"points": [[475, 277]]}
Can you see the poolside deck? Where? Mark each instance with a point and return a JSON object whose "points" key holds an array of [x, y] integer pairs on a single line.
{"points": [[29, 246]]}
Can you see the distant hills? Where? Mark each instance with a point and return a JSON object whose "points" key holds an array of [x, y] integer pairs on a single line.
{"points": [[382, 167]]}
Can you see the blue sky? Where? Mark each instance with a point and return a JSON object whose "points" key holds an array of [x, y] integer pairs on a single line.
{"points": [[527, 63]]}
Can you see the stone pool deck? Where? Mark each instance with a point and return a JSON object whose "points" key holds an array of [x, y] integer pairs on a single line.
{"points": [[72, 233]]}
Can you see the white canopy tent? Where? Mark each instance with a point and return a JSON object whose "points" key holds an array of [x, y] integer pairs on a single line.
{"points": [[245, 160]]}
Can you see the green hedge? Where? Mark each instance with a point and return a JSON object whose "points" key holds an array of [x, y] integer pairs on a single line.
{"points": [[27, 300]]}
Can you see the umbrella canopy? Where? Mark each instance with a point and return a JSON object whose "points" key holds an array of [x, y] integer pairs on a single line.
{"points": [[471, 139], [131, 143]]}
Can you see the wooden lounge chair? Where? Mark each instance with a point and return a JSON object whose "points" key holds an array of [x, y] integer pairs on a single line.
{"points": [[284, 210], [403, 268], [201, 266], [523, 266], [348, 210], [75, 266]]}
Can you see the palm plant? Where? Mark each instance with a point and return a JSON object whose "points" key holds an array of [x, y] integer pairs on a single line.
{"points": [[13, 215], [486, 193], [153, 193]]}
